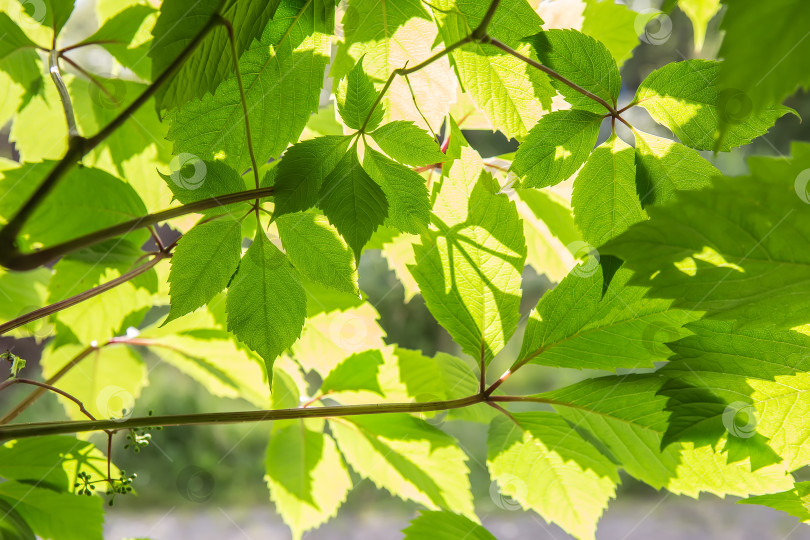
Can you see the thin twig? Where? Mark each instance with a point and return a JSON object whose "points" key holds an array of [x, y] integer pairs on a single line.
{"points": [[81, 297], [9, 382], [33, 396], [28, 261], [408, 71], [551, 73], [90, 76], [64, 96], [503, 411], [16, 431], [242, 97]]}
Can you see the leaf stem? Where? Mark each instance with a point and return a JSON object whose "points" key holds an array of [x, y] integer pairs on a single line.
{"points": [[64, 96], [229, 27], [33, 396], [407, 71], [81, 297], [46, 386], [551, 73], [79, 146]]}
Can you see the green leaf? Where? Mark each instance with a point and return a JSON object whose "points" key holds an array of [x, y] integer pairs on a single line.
{"points": [[134, 150], [192, 179], [14, 39], [316, 249], [334, 334], [13, 526], [582, 60], [407, 457], [469, 270], [355, 98], [107, 382], [302, 170], [211, 61], [56, 516], [605, 200], [795, 502], [202, 264], [700, 12], [84, 201], [198, 346], [306, 476], [285, 65], [53, 462], [445, 526], [266, 303], [441, 377], [628, 417], [548, 224], [545, 465], [686, 98], [595, 319], [357, 372], [100, 317], [120, 29], [664, 167], [612, 24], [404, 189], [512, 94], [399, 254], [748, 385], [388, 39], [556, 147], [735, 250], [408, 144], [763, 64], [353, 202], [23, 292]]}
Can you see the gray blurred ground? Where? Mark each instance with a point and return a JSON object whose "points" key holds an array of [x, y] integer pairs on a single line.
{"points": [[661, 518]]}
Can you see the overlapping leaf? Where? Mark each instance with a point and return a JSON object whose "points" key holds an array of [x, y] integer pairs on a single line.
{"points": [[469, 268], [512, 94], [582, 60], [543, 464], [605, 200], [556, 147], [409, 458], [734, 250], [595, 319], [266, 302], [285, 65], [211, 61], [628, 417], [687, 98]]}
